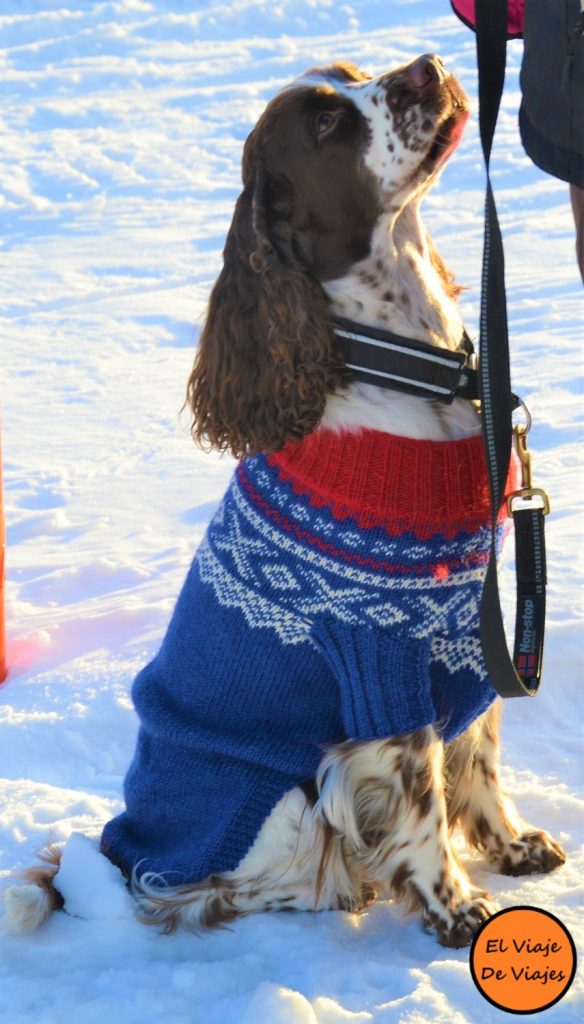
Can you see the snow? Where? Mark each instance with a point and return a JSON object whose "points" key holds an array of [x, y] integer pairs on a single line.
{"points": [[107, 896], [121, 131]]}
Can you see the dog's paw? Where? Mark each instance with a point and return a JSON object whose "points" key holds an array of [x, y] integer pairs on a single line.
{"points": [[354, 905], [454, 927], [26, 908], [530, 854]]}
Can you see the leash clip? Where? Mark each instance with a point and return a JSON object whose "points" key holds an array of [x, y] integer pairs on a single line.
{"points": [[527, 492]]}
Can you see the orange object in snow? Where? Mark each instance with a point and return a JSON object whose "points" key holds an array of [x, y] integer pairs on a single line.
{"points": [[3, 668]]}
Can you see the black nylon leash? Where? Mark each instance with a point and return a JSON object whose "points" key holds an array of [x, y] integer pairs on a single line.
{"points": [[388, 360], [520, 676]]}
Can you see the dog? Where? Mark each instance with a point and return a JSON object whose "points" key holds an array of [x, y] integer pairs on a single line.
{"points": [[318, 719]]}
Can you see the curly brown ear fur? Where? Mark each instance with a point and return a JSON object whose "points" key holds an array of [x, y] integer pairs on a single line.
{"points": [[266, 360]]}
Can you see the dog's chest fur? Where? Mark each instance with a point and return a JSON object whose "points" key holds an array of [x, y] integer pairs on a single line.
{"points": [[398, 287]]}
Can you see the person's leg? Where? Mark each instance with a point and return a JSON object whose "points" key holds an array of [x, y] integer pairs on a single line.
{"points": [[577, 197]]}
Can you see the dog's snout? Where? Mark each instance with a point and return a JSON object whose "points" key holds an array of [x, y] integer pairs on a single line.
{"points": [[425, 72]]}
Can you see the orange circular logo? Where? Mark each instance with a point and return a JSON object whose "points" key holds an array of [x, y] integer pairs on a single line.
{"points": [[523, 959]]}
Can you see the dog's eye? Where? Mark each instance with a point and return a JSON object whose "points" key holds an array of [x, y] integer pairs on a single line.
{"points": [[326, 121]]}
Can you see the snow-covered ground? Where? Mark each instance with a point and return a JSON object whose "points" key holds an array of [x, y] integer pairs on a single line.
{"points": [[121, 130]]}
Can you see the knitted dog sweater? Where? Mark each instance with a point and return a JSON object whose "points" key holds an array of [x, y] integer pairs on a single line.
{"points": [[335, 595]]}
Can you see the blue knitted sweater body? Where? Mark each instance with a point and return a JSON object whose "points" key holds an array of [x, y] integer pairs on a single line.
{"points": [[335, 596]]}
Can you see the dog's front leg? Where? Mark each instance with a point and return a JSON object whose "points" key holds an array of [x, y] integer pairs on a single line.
{"points": [[385, 797], [488, 816]]}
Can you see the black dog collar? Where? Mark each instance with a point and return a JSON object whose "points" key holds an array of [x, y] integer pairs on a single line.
{"points": [[389, 360]]}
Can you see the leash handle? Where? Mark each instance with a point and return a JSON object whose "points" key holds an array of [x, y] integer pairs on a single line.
{"points": [[520, 676]]}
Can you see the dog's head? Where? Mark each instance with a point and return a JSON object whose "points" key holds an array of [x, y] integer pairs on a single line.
{"points": [[331, 154]]}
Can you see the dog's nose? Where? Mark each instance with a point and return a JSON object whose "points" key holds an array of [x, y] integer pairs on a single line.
{"points": [[425, 72]]}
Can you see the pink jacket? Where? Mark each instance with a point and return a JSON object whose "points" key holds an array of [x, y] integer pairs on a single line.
{"points": [[466, 12]]}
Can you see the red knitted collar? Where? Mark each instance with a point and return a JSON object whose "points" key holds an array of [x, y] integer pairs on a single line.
{"points": [[397, 483]]}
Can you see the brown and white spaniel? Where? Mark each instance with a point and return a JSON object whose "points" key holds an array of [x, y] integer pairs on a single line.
{"points": [[328, 225]]}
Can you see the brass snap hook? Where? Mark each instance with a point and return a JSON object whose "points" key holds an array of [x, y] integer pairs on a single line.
{"points": [[527, 493]]}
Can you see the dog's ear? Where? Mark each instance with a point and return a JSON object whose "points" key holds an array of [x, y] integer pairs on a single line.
{"points": [[266, 358]]}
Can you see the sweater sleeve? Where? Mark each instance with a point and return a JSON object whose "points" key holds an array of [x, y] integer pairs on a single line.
{"points": [[384, 678]]}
